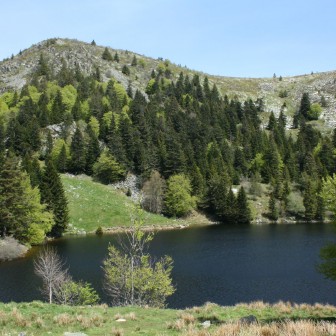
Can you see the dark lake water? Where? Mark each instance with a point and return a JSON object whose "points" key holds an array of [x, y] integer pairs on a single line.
{"points": [[225, 264]]}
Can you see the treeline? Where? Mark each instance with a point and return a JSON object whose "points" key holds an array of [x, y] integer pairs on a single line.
{"points": [[183, 128]]}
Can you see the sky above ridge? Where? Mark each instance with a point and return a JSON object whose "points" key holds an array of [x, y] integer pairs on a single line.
{"points": [[238, 38]]}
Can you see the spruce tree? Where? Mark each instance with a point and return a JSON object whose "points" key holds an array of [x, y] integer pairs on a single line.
{"points": [[107, 55], [49, 144], [62, 160], [114, 142], [273, 212], [57, 109], [310, 199], [21, 212], [243, 210], [43, 67], [230, 213], [116, 57], [304, 105], [134, 61], [125, 70], [53, 196]]}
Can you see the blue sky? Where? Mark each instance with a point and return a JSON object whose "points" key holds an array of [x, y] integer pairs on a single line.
{"points": [[232, 38]]}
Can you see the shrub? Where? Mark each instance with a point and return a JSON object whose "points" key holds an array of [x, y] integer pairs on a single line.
{"points": [[107, 169], [125, 70], [99, 231], [76, 294], [314, 111], [283, 94]]}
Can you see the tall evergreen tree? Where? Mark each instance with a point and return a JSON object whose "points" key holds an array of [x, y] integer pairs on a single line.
{"points": [[93, 150], [53, 196], [21, 212], [62, 160], [78, 153], [57, 109], [107, 55], [243, 210]]}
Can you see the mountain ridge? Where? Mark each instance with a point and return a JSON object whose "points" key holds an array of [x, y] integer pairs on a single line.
{"points": [[276, 92]]}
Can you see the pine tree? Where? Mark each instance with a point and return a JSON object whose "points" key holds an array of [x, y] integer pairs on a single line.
{"points": [[53, 196]]}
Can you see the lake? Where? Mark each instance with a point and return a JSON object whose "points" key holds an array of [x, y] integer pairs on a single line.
{"points": [[224, 264]]}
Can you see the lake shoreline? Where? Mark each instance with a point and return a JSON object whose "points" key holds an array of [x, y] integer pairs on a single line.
{"points": [[186, 224]]}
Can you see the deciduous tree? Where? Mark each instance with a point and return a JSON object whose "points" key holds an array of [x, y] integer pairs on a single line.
{"points": [[131, 276], [153, 193], [178, 198]]}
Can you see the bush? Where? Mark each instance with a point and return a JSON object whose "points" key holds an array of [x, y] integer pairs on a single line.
{"points": [[76, 294], [314, 111], [107, 169], [99, 231], [283, 94], [295, 203], [125, 70]]}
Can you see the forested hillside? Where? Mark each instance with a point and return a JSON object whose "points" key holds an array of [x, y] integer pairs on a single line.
{"points": [[192, 145]]}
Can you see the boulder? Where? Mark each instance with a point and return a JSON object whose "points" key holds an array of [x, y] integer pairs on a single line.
{"points": [[250, 319]]}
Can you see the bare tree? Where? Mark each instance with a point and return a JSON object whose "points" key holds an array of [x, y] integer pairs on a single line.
{"points": [[49, 266], [153, 191]]}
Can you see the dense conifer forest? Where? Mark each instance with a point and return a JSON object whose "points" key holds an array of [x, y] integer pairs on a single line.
{"points": [[193, 148]]}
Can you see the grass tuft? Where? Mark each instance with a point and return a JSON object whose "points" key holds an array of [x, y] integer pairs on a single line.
{"points": [[64, 319], [130, 316], [117, 332]]}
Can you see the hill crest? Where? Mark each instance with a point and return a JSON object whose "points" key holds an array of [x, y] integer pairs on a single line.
{"points": [[275, 91]]}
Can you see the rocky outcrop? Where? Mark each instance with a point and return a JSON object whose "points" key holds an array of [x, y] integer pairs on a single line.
{"points": [[10, 249]]}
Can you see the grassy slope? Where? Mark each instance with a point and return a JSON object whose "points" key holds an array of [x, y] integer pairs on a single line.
{"points": [[38, 318], [93, 204]]}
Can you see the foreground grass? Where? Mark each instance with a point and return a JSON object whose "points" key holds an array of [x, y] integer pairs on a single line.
{"points": [[92, 204], [37, 318]]}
